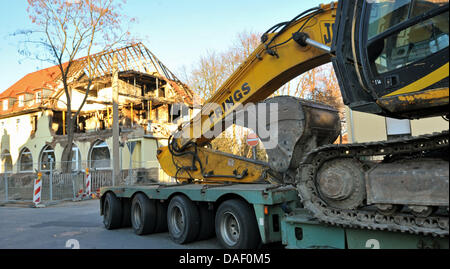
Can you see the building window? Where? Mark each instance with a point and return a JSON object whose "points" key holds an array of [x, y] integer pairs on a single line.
{"points": [[396, 128], [21, 100], [5, 104], [6, 162], [47, 159], [38, 97], [25, 161], [100, 157], [76, 158]]}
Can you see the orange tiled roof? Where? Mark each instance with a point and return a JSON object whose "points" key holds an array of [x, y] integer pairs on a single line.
{"points": [[44, 78]]}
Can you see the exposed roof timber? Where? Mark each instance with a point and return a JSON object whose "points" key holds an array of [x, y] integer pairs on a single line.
{"points": [[132, 57], [137, 67]]}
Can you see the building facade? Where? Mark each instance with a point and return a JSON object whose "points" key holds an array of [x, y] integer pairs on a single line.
{"points": [[364, 127]]}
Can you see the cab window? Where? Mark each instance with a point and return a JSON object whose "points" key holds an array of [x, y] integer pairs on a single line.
{"points": [[410, 44]]}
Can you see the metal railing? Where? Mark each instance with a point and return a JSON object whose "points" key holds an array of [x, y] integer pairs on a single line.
{"points": [[70, 186]]}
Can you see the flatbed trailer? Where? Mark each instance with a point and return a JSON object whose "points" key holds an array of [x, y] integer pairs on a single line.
{"points": [[242, 216]]}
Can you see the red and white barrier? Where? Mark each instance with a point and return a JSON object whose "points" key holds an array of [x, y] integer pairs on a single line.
{"points": [[88, 183], [37, 189]]}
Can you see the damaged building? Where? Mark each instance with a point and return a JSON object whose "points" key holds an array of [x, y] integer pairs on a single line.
{"points": [[152, 102]]}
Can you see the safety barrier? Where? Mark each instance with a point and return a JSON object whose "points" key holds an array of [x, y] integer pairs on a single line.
{"points": [[88, 183], [37, 189]]}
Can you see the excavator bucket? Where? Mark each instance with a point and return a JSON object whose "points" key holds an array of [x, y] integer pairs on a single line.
{"points": [[301, 125]]}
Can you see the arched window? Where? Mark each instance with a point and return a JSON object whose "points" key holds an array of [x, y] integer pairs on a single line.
{"points": [[25, 161], [100, 157], [76, 158], [47, 158], [6, 162]]}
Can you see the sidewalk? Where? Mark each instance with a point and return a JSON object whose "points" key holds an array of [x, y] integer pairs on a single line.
{"points": [[30, 204]]}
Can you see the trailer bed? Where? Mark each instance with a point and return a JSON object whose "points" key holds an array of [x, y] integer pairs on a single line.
{"points": [[267, 194]]}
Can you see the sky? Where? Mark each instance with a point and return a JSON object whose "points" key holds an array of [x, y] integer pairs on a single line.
{"points": [[178, 32]]}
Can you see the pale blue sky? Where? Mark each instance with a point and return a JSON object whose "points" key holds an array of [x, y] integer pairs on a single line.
{"points": [[178, 32]]}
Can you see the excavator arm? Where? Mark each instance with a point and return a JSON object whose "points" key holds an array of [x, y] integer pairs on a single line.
{"points": [[282, 56]]}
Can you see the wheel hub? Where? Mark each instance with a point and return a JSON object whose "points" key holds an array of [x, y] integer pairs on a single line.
{"points": [[335, 184], [230, 229], [137, 215], [341, 183], [177, 219]]}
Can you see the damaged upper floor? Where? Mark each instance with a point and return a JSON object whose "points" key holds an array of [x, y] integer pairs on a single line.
{"points": [[149, 93]]}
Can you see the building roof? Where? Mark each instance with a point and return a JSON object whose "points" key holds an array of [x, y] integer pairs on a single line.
{"points": [[29, 84], [132, 57], [44, 78]]}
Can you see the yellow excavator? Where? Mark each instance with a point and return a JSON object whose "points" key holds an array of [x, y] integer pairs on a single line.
{"points": [[391, 59]]}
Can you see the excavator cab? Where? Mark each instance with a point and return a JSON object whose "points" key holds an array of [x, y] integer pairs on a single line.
{"points": [[391, 57]]}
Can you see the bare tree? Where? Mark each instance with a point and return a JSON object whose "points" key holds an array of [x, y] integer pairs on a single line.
{"points": [[243, 46], [319, 84], [212, 69], [66, 30], [209, 74]]}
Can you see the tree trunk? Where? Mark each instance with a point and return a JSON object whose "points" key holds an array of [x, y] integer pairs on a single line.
{"points": [[66, 159]]}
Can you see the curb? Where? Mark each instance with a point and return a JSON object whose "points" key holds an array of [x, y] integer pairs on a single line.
{"points": [[44, 204]]}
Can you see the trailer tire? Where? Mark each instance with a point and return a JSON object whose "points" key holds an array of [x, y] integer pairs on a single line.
{"points": [[236, 226], [143, 215], [112, 211], [183, 220], [206, 222]]}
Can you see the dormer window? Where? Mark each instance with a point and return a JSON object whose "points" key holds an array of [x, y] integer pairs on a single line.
{"points": [[5, 104], [21, 100], [38, 97]]}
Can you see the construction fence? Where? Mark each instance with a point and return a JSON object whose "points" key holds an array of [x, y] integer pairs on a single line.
{"points": [[58, 186]]}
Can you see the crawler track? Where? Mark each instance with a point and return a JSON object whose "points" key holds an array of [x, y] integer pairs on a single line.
{"points": [[364, 216]]}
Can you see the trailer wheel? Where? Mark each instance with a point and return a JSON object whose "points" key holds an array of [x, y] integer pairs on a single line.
{"points": [[112, 212], [206, 222], [143, 214], [236, 226], [183, 220]]}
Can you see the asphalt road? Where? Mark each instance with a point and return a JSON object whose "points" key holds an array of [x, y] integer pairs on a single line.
{"points": [[75, 224]]}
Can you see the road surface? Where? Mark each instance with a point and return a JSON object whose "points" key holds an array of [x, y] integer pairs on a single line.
{"points": [[75, 224]]}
